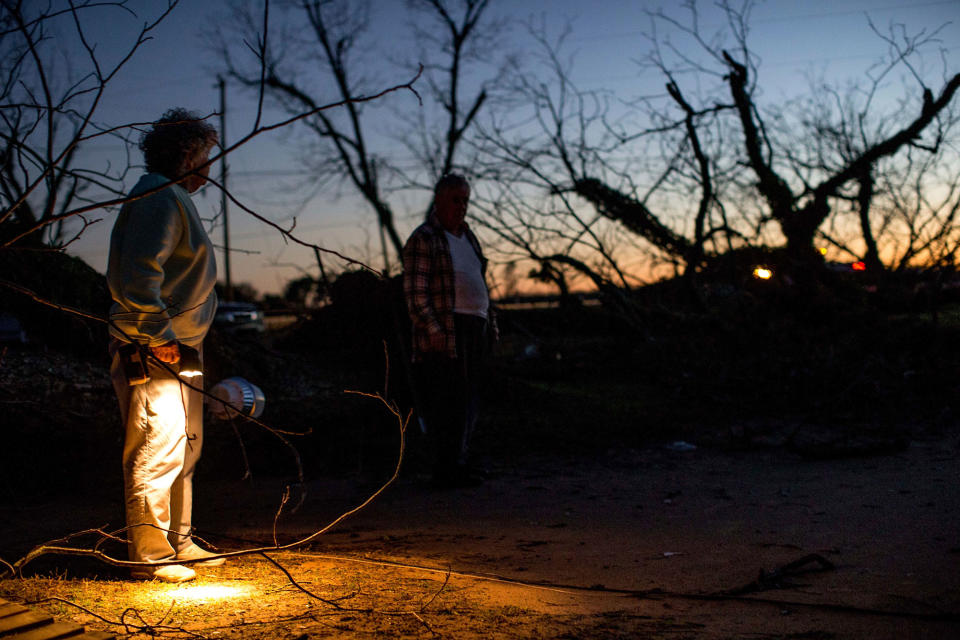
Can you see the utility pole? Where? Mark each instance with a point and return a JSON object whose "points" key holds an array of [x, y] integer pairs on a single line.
{"points": [[228, 284]]}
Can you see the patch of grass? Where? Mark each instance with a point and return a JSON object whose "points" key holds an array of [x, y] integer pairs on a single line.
{"points": [[249, 598]]}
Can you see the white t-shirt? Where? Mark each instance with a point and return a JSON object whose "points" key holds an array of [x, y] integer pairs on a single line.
{"points": [[470, 295]]}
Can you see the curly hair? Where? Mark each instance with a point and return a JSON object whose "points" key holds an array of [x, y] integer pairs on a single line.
{"points": [[175, 140]]}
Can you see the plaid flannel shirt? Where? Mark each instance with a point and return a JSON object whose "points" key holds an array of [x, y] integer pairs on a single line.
{"points": [[428, 286]]}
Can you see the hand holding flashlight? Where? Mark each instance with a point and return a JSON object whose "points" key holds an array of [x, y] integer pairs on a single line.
{"points": [[169, 353]]}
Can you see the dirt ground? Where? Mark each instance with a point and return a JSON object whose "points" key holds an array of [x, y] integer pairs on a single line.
{"points": [[636, 543]]}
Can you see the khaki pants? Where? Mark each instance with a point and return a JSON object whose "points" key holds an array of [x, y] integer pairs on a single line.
{"points": [[163, 420]]}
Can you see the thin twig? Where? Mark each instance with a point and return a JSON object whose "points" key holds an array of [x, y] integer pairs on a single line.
{"points": [[296, 584], [276, 517], [446, 579], [424, 623]]}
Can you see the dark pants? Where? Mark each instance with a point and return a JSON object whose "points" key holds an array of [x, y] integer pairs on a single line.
{"points": [[449, 394]]}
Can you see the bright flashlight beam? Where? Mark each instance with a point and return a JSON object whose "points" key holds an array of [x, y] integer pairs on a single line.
{"points": [[762, 273], [204, 592]]}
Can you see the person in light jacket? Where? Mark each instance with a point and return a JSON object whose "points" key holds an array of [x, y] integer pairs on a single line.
{"points": [[161, 273]]}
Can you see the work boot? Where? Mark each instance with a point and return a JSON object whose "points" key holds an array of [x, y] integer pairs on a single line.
{"points": [[165, 573], [193, 552]]}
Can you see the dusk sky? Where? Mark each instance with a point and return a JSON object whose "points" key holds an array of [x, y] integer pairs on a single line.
{"points": [[792, 40]]}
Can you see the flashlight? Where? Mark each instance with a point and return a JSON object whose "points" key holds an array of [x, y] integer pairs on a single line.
{"points": [[189, 362]]}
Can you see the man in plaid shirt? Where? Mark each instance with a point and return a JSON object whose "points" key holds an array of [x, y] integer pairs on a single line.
{"points": [[449, 306]]}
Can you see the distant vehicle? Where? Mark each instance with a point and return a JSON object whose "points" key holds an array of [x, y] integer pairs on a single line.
{"points": [[11, 330], [239, 316], [847, 267]]}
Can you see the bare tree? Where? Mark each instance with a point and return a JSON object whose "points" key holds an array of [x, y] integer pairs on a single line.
{"points": [[603, 201], [801, 172], [47, 115], [709, 166], [450, 36], [335, 33], [897, 209]]}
